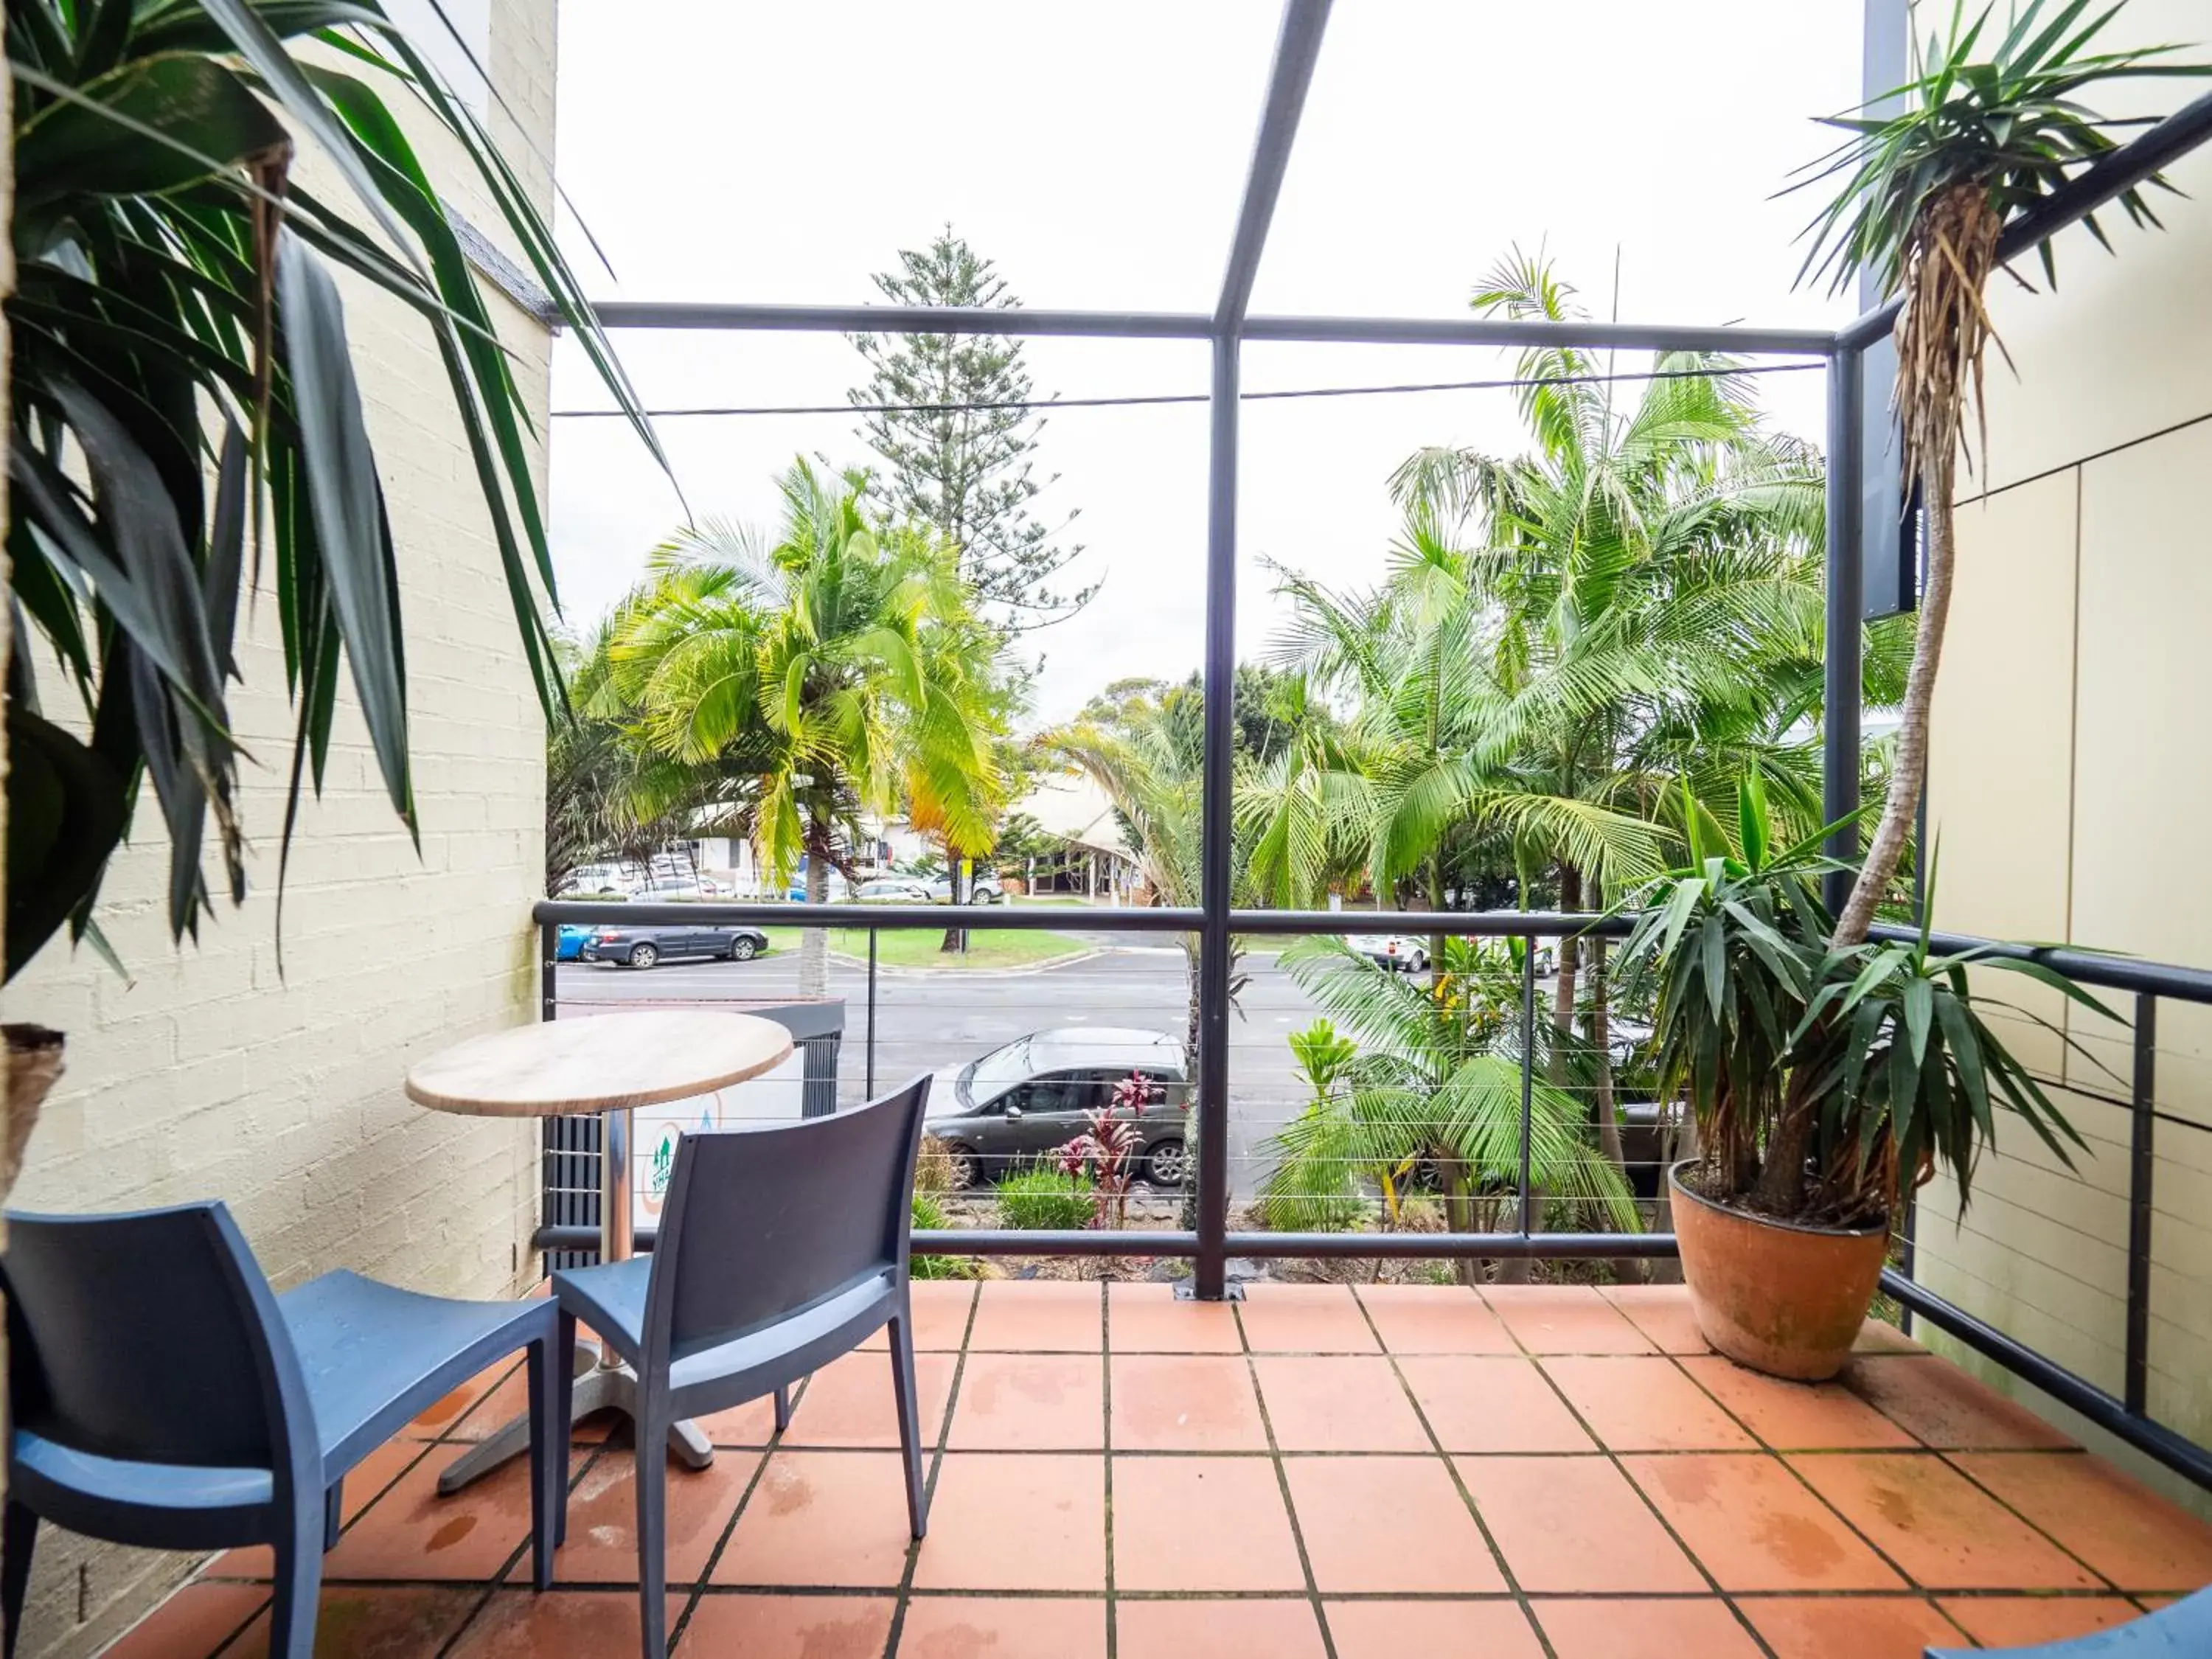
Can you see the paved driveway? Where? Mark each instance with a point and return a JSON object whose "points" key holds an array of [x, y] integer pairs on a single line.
{"points": [[927, 1020]]}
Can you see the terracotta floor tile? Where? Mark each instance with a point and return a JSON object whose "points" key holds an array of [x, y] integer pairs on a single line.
{"points": [[1185, 1402], [1796, 1416], [1880, 1336], [821, 1517], [752, 1423], [1848, 1627], [571, 1624], [602, 1546], [1031, 1402], [369, 1481], [1569, 1524], [1755, 1527], [1482, 1404], [440, 1416], [849, 1402], [508, 1398], [1384, 1524], [1632, 1403], [1039, 1316], [979, 1627], [1944, 1407], [787, 1627], [1663, 1313], [412, 1533], [1304, 1319], [2118, 1525], [374, 1621], [192, 1624], [373, 1476], [1434, 1629], [1937, 1525], [1629, 1629], [1015, 1521], [1218, 1630], [1434, 1319], [941, 1315], [1203, 1523], [2008, 1621], [1564, 1319], [1338, 1402], [1150, 1319]]}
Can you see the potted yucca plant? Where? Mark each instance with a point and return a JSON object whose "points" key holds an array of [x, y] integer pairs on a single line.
{"points": [[1764, 1021]]}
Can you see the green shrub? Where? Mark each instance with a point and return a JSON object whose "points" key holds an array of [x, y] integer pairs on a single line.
{"points": [[933, 1168], [1043, 1200], [929, 1215]]}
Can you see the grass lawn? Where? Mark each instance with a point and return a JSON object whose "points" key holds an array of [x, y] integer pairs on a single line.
{"points": [[917, 947]]}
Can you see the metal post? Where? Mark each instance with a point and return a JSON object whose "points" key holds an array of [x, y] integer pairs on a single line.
{"points": [[616, 1230], [1839, 751], [549, 967], [1298, 47], [2142, 1165], [1527, 1077], [1908, 1254], [1211, 1271], [870, 1087]]}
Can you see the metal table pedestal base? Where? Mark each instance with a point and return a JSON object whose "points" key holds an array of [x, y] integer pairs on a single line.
{"points": [[605, 1387]]}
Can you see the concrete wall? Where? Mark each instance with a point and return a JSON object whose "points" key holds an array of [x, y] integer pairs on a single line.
{"points": [[2071, 767], [215, 1072]]}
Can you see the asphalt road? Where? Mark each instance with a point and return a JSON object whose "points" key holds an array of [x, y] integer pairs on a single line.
{"points": [[927, 1020]]}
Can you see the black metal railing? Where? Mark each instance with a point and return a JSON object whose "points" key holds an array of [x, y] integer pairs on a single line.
{"points": [[1211, 1241], [2125, 1412]]}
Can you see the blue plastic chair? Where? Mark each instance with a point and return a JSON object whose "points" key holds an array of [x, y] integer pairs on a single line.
{"points": [[160, 1395], [779, 1249], [2183, 1631]]}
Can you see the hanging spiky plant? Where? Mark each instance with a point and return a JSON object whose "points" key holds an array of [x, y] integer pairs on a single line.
{"points": [[1926, 198]]}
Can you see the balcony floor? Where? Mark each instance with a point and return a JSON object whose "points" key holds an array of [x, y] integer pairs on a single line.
{"points": [[1424, 1470]]}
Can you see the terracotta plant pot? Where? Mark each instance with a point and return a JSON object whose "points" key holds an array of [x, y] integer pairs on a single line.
{"points": [[1781, 1298]]}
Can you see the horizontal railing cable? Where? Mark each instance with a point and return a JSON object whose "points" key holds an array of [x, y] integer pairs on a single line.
{"points": [[1140, 400]]}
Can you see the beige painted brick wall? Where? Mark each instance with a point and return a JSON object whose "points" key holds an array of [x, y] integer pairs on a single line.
{"points": [[2068, 776], [213, 1071]]}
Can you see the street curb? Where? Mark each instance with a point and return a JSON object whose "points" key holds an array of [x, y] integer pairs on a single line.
{"points": [[1023, 972]]}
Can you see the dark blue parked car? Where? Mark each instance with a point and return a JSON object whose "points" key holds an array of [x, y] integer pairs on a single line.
{"points": [[642, 943]]}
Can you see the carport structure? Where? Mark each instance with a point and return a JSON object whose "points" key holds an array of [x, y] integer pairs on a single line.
{"points": [[1870, 572]]}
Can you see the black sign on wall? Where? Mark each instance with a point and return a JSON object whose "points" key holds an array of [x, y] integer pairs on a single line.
{"points": [[1889, 523]]}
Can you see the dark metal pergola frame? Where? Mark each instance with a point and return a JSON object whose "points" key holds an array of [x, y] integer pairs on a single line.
{"points": [[1857, 368]]}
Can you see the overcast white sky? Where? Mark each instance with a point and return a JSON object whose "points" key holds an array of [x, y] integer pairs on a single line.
{"points": [[744, 151]]}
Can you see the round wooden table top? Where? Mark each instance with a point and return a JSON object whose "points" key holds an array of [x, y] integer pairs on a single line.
{"points": [[600, 1063]]}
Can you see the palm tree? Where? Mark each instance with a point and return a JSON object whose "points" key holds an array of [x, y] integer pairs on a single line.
{"points": [[1925, 198], [1152, 766], [1649, 579], [1293, 814], [971, 655], [608, 793], [834, 671], [1435, 1086]]}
